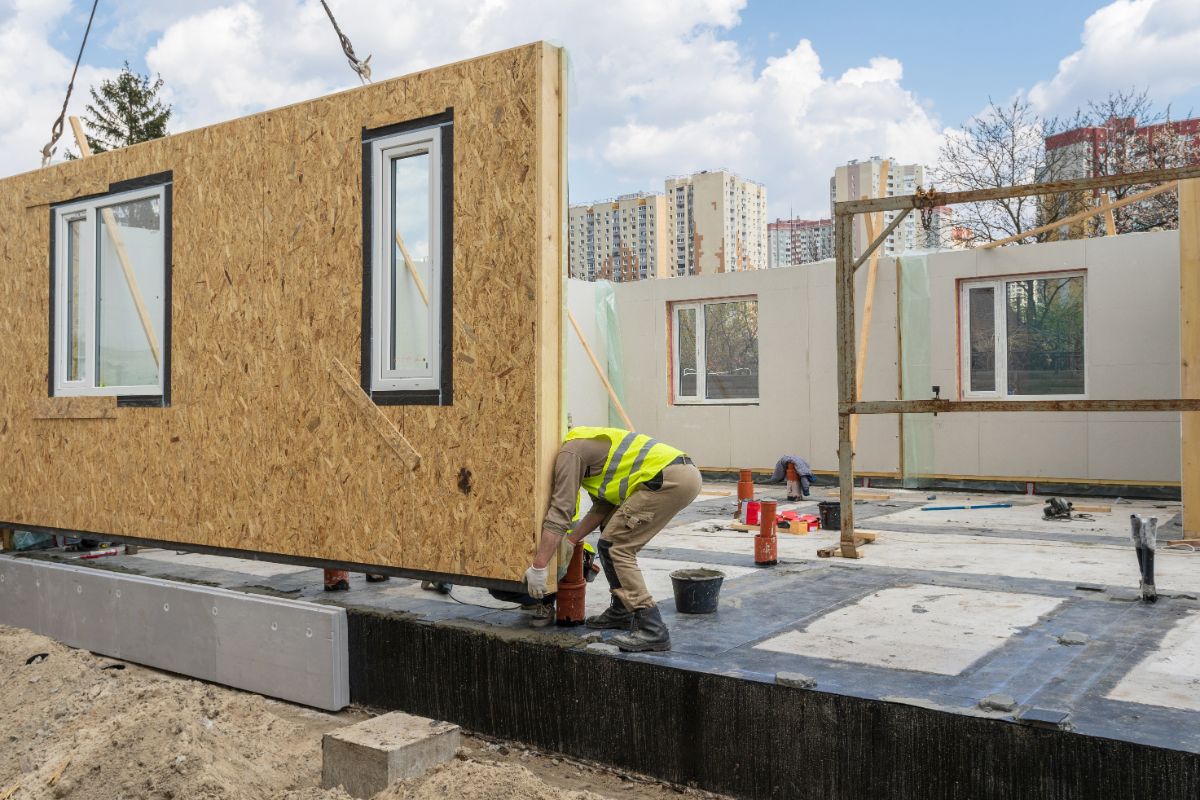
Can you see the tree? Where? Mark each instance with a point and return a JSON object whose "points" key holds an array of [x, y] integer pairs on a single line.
{"points": [[1133, 136], [125, 111], [1006, 145], [1003, 146]]}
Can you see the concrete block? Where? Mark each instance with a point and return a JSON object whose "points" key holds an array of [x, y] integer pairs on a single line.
{"points": [[795, 680], [291, 650], [998, 702], [366, 758], [1073, 638]]}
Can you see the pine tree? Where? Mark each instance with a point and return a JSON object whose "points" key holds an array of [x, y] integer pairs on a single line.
{"points": [[126, 111]]}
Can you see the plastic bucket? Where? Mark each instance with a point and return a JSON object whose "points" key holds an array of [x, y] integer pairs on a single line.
{"points": [[752, 508], [831, 514], [696, 590]]}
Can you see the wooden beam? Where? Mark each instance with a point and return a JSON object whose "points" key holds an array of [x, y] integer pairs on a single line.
{"points": [[879, 240], [1110, 219], [864, 337], [847, 370], [612, 394], [374, 415], [1022, 190], [1189, 348], [947, 406], [1082, 215], [110, 225], [412, 269]]}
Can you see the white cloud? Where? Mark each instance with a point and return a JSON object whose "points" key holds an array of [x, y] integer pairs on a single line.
{"points": [[33, 82], [657, 88], [1152, 44]]}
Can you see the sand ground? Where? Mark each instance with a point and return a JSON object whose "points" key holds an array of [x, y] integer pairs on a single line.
{"points": [[78, 725]]}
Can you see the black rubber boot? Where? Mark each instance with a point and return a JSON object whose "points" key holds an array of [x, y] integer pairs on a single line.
{"points": [[615, 616], [651, 633]]}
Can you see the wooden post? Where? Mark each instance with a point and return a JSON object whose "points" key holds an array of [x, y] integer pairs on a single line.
{"points": [[612, 394], [900, 460], [1189, 349], [864, 338], [412, 268], [844, 289], [1110, 219], [110, 225]]}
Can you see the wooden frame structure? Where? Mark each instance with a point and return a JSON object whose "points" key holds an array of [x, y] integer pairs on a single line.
{"points": [[849, 403]]}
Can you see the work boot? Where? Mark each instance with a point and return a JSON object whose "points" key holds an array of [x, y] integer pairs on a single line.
{"points": [[615, 616], [650, 633]]}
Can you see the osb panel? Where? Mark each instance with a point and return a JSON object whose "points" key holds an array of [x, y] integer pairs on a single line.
{"points": [[262, 448]]}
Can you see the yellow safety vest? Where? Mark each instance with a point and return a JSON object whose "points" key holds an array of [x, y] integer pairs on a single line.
{"points": [[633, 459]]}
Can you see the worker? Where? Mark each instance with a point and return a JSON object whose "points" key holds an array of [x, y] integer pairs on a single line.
{"points": [[797, 487], [637, 486]]}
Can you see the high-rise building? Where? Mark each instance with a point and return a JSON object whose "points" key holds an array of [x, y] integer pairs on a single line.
{"points": [[619, 240], [1120, 145], [799, 241], [716, 222], [883, 177]]}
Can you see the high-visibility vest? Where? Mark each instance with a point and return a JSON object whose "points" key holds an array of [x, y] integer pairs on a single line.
{"points": [[633, 459]]}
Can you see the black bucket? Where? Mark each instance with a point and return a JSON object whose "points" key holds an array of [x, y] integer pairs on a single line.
{"points": [[696, 590], [831, 514]]}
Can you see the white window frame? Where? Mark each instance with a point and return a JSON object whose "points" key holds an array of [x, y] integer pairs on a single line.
{"points": [[1000, 310], [383, 151], [89, 211], [701, 372]]}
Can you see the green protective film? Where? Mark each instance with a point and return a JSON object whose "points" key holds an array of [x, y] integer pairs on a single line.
{"points": [[609, 330], [915, 368]]}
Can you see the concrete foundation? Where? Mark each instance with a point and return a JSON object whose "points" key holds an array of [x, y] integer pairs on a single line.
{"points": [[986, 653], [368, 757], [275, 647]]}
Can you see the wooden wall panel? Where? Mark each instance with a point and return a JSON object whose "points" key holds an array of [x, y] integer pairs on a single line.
{"points": [[262, 449]]}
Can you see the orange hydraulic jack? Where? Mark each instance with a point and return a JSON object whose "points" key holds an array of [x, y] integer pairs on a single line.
{"points": [[572, 592], [766, 551], [745, 490]]}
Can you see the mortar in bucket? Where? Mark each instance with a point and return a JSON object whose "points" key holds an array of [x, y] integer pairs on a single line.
{"points": [[696, 590], [831, 514]]}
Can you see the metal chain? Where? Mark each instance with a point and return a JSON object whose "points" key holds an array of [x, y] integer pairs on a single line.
{"points": [[56, 130], [363, 68], [927, 201]]}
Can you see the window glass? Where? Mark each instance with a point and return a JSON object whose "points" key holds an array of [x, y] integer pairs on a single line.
{"points": [[731, 350], [687, 352], [409, 323], [76, 335], [130, 254], [981, 313], [1044, 336]]}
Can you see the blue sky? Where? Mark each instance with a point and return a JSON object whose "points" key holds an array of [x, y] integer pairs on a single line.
{"points": [[780, 92]]}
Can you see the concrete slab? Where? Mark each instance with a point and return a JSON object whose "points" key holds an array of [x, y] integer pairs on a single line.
{"points": [[280, 648], [366, 758], [261, 569], [1169, 676], [922, 628]]}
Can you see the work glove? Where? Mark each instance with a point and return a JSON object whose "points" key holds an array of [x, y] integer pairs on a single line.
{"points": [[535, 582], [565, 553]]}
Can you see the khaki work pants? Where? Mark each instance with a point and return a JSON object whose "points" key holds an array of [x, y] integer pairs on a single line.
{"points": [[639, 518]]}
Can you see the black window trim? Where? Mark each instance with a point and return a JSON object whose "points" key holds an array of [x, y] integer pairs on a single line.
{"points": [[444, 395], [165, 180]]}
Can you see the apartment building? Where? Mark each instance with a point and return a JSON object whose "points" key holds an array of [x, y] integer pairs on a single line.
{"points": [[799, 241], [883, 177], [716, 222], [619, 240], [1119, 145]]}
